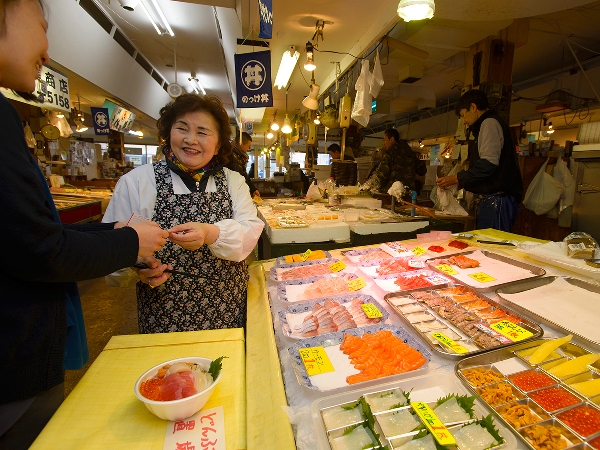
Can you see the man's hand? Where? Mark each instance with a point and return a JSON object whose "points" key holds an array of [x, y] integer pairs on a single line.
{"points": [[446, 182], [155, 274], [150, 236]]}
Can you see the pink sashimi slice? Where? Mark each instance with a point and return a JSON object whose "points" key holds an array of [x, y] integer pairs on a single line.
{"points": [[178, 385]]}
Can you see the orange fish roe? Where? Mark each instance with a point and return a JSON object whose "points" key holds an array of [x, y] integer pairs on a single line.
{"points": [[150, 389], [554, 398], [379, 355], [530, 380], [595, 442], [584, 419]]}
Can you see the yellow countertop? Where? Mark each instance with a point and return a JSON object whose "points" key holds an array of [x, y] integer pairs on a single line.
{"points": [[102, 411]]}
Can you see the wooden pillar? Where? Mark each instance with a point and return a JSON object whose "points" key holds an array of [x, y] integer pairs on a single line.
{"points": [[116, 146]]}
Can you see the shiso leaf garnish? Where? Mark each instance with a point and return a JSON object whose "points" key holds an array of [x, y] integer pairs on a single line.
{"points": [[350, 406], [466, 402], [351, 428], [216, 366], [487, 422], [423, 433]]}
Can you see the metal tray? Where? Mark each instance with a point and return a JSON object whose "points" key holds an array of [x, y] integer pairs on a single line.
{"points": [[535, 271], [508, 362], [426, 388], [539, 282], [465, 340], [308, 306]]}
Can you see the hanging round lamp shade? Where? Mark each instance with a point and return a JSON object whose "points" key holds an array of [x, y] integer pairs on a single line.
{"points": [[416, 9], [287, 127]]}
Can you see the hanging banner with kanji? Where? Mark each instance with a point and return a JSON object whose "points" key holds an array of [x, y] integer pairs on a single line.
{"points": [[253, 79], [265, 12], [100, 119]]}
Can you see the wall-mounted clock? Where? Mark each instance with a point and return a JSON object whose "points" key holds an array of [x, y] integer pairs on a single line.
{"points": [[50, 132]]}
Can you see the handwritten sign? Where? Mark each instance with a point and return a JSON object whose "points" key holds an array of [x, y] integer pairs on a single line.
{"points": [[418, 250], [511, 330], [433, 423], [416, 263], [203, 430], [304, 256], [437, 279], [482, 277], [371, 311], [315, 360], [447, 269], [452, 345], [356, 284], [337, 266]]}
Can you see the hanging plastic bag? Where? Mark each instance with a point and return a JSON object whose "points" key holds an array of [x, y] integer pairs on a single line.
{"points": [[313, 192], [377, 77], [126, 277], [543, 192], [361, 111], [29, 136]]}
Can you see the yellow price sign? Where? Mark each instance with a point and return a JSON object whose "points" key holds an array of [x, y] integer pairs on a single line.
{"points": [[304, 256], [356, 284], [452, 345], [433, 423], [482, 277], [337, 266], [371, 310], [447, 269], [511, 330], [418, 250], [315, 360]]}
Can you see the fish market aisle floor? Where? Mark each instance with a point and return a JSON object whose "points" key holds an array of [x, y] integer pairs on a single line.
{"points": [[107, 311]]}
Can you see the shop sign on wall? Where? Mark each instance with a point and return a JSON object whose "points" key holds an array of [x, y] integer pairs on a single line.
{"points": [[253, 79], [51, 88], [100, 119], [265, 12], [121, 119]]}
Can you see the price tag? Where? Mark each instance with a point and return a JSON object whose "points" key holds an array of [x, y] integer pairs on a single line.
{"points": [[418, 250], [433, 423], [337, 266], [437, 279], [417, 264], [511, 330], [304, 256], [356, 284], [446, 268], [315, 360], [452, 345], [371, 310], [482, 277], [203, 430]]}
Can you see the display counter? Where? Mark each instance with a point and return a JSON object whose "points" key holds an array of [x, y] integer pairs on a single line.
{"points": [[103, 197], [73, 209]]}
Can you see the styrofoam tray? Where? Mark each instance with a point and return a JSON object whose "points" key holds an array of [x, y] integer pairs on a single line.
{"points": [[281, 260], [386, 282], [369, 268], [295, 314], [424, 388], [331, 342], [291, 290], [442, 243], [356, 255], [277, 271]]}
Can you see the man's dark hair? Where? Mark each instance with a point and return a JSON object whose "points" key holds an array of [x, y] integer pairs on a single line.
{"points": [[246, 137], [334, 148], [473, 96], [190, 103], [392, 133]]}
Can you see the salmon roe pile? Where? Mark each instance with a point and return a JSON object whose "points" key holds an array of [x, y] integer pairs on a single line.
{"points": [[584, 419], [595, 442], [150, 389], [531, 380], [554, 398]]}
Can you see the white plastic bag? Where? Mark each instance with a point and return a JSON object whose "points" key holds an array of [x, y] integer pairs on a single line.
{"points": [[29, 136], [361, 110], [313, 192], [448, 204], [543, 192], [122, 278], [377, 77]]}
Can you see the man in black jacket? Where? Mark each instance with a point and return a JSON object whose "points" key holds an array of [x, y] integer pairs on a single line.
{"points": [[493, 174], [343, 172], [239, 160]]}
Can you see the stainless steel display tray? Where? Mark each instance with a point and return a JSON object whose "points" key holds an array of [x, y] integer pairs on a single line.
{"points": [[535, 271], [497, 361], [465, 340], [539, 282]]}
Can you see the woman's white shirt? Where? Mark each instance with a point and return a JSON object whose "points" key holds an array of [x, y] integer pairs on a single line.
{"points": [[136, 193]]}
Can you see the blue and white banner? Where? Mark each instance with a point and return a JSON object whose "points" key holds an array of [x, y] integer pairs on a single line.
{"points": [[100, 119], [253, 79], [265, 12]]}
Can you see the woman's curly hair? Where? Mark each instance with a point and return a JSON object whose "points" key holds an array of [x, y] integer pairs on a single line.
{"points": [[189, 103]]}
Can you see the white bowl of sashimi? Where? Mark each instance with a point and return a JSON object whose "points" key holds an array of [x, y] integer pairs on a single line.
{"points": [[177, 389]]}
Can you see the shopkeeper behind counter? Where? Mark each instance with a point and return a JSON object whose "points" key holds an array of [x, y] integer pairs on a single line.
{"points": [[208, 211]]}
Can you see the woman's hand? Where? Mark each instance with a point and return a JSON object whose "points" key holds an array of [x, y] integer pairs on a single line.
{"points": [[193, 235], [155, 274]]}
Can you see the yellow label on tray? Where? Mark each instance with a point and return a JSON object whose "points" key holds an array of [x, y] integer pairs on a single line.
{"points": [[482, 277], [441, 337], [315, 360], [447, 269], [511, 330], [337, 266], [356, 284], [433, 423], [371, 310], [418, 250], [304, 256]]}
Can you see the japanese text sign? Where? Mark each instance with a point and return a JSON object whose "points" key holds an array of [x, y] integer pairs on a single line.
{"points": [[100, 119], [304, 256], [356, 284], [441, 337], [447, 269], [511, 330], [482, 277], [265, 12], [315, 360], [205, 430], [418, 250], [371, 311], [51, 88], [253, 79], [433, 423], [337, 266]]}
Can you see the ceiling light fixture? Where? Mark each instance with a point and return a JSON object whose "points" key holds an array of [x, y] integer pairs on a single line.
{"points": [[311, 101], [270, 135], [317, 119], [416, 9], [310, 63], [421, 145], [60, 114], [166, 28], [274, 124], [550, 128], [287, 127], [196, 83], [286, 67]]}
